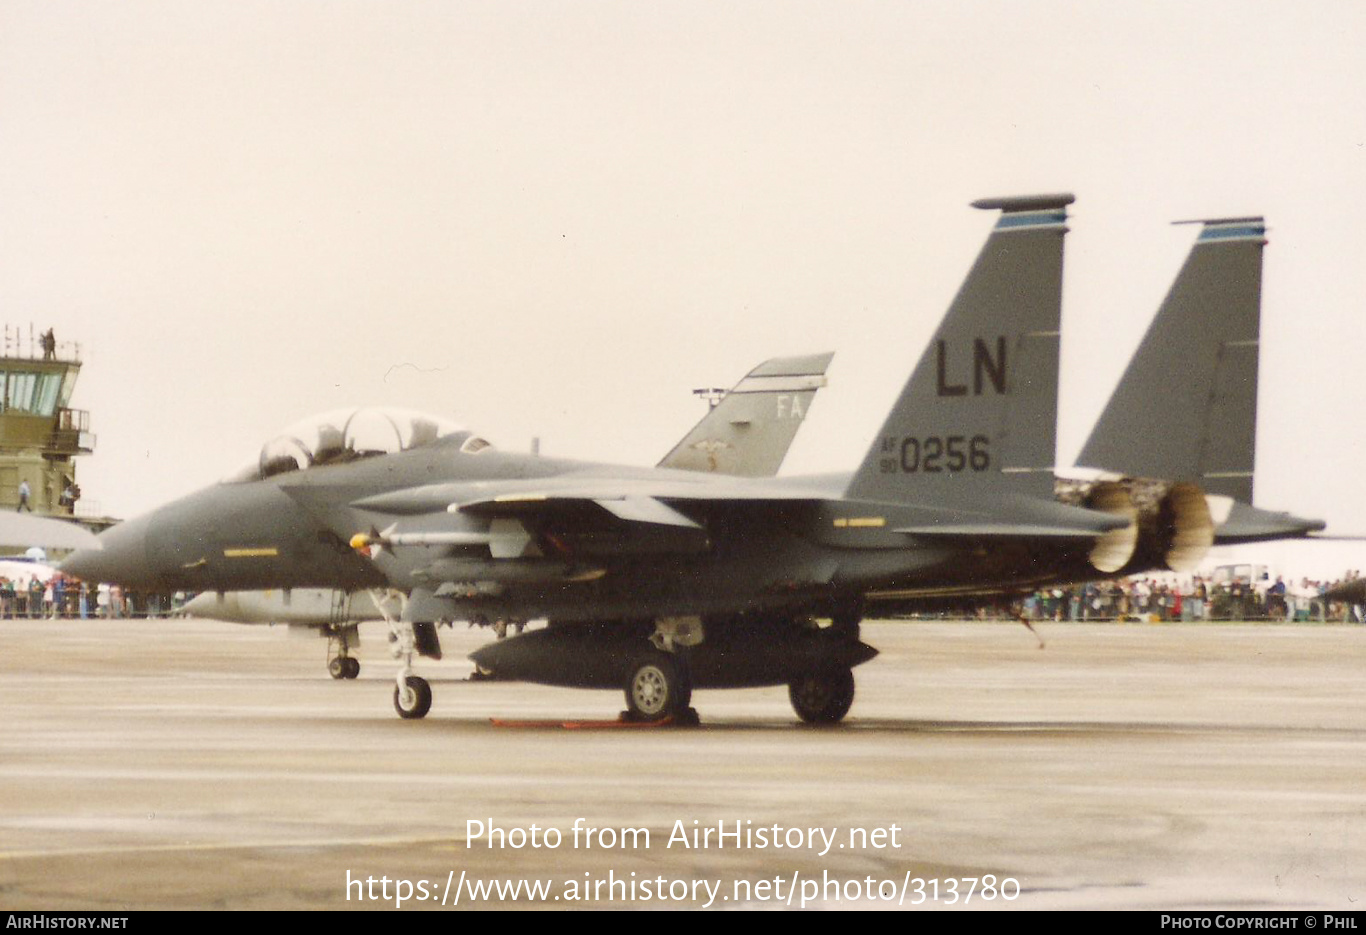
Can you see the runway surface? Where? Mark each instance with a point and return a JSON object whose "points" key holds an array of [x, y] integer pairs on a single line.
{"points": [[192, 764]]}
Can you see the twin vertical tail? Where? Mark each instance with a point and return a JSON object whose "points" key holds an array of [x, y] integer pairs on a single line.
{"points": [[979, 413]]}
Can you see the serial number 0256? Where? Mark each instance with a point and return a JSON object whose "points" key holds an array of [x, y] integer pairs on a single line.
{"points": [[936, 454]]}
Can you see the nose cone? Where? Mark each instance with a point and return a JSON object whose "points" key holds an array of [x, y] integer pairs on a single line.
{"points": [[120, 559]]}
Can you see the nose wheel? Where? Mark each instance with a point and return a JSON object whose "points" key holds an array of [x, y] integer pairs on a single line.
{"points": [[412, 697], [412, 694]]}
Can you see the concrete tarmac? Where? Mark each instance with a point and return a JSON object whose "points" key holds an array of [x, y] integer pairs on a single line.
{"points": [[192, 764]]}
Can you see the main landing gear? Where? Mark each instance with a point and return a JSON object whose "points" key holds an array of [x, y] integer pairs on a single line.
{"points": [[826, 695], [658, 671], [658, 687], [659, 679], [823, 697]]}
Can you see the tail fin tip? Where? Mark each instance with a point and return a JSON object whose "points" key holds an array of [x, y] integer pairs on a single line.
{"points": [[1025, 202], [1227, 230]]}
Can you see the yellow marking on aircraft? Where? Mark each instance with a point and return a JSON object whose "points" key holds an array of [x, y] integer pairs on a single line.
{"points": [[861, 522]]}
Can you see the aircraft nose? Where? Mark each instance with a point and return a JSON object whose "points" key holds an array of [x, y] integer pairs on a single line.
{"points": [[120, 559]]}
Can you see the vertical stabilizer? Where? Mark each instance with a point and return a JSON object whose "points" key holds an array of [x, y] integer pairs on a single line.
{"points": [[1186, 407], [749, 431], [979, 413]]}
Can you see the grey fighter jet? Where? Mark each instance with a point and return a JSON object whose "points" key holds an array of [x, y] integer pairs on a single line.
{"points": [[746, 432], [661, 580]]}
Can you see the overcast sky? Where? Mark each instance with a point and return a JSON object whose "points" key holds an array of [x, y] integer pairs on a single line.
{"points": [[556, 219]]}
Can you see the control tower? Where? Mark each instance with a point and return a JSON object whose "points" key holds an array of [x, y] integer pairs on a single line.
{"points": [[40, 437]]}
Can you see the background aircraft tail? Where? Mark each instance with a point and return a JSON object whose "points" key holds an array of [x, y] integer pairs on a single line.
{"points": [[1186, 407], [1182, 422], [749, 431], [979, 412]]}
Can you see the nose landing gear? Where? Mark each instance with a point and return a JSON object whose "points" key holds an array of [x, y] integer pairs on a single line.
{"points": [[412, 696]]}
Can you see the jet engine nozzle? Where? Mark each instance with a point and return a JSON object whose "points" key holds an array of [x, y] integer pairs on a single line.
{"points": [[1113, 550], [1171, 525], [1185, 526], [1174, 528]]}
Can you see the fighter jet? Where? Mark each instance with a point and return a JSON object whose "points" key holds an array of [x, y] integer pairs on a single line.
{"points": [[747, 431], [659, 580]]}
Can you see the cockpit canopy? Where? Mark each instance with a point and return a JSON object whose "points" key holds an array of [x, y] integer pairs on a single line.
{"points": [[345, 435]]}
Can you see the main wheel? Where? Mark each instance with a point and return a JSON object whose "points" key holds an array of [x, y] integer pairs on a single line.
{"points": [[414, 699], [656, 688], [352, 667], [336, 667], [823, 697]]}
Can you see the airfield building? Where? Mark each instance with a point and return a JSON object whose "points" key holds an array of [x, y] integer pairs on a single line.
{"points": [[40, 435]]}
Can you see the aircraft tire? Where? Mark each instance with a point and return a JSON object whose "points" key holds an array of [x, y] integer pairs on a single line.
{"points": [[656, 688], [823, 697], [336, 667], [415, 700], [352, 667]]}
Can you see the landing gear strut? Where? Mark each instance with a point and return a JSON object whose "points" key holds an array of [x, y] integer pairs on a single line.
{"points": [[412, 694]]}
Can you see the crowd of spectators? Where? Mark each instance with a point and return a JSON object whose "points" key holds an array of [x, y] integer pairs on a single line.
{"points": [[1195, 598], [62, 596], [1192, 598]]}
